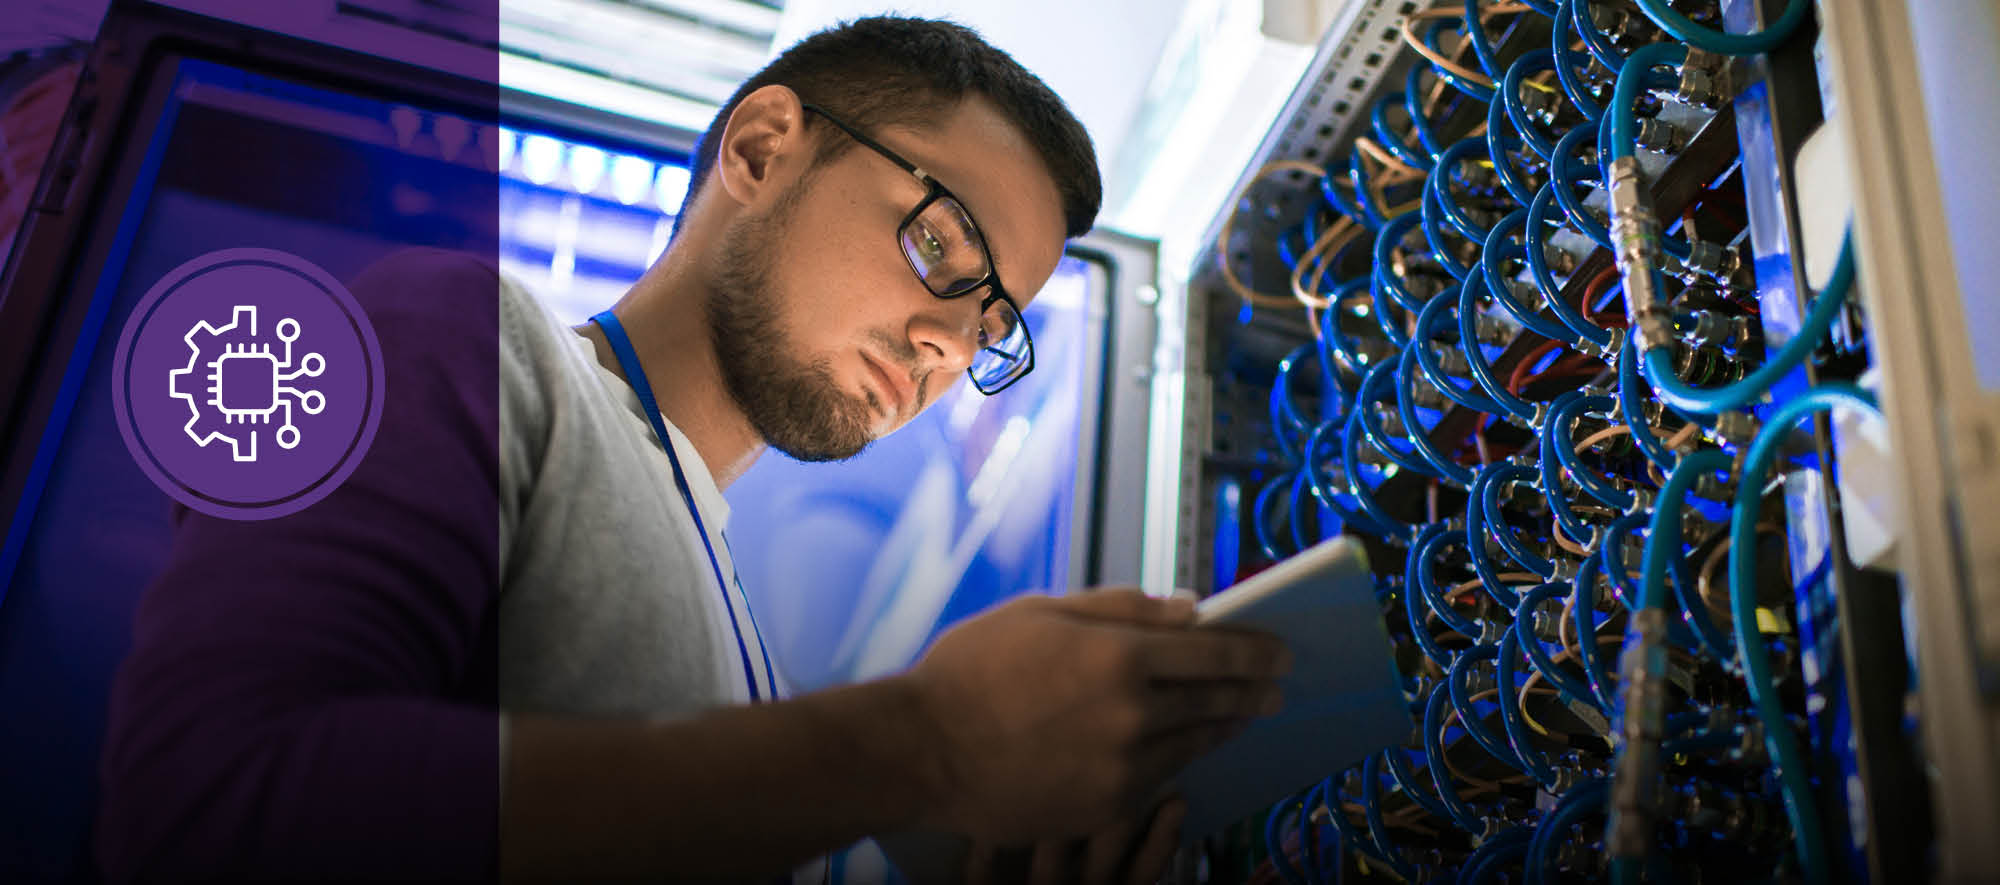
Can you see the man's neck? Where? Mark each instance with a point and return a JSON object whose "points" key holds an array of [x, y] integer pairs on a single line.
{"points": [[663, 315]]}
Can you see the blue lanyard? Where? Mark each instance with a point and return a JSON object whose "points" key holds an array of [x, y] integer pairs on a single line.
{"points": [[635, 375]]}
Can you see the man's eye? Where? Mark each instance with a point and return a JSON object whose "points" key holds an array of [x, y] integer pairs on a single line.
{"points": [[929, 245]]}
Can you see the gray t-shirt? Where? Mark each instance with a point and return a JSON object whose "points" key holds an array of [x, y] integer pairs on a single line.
{"points": [[609, 603]]}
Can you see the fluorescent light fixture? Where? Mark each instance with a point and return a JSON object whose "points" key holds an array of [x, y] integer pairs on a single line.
{"points": [[671, 188], [631, 177], [603, 94], [586, 167], [541, 158]]}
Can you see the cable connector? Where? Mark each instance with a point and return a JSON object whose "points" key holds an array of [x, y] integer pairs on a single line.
{"points": [[1635, 783], [1635, 237], [1704, 80]]}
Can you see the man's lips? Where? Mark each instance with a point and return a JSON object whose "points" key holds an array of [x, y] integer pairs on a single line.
{"points": [[897, 390]]}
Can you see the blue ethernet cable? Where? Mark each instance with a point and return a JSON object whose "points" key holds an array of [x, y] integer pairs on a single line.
{"points": [[1556, 435], [1430, 215], [1583, 601], [1757, 675], [1357, 485], [1506, 847], [1421, 576], [1343, 344], [1550, 483], [1373, 389], [1378, 117], [1630, 406], [1534, 233], [1512, 719], [1538, 657], [1562, 171], [1482, 48], [1681, 28], [1462, 814], [1414, 606], [1358, 175], [1499, 248], [1371, 805], [1406, 780], [1474, 91], [1566, 64], [1475, 543], [1443, 466], [1468, 713], [1475, 356], [1275, 844], [1611, 556], [1489, 502], [1531, 62], [1594, 40], [1428, 321], [1439, 183], [1286, 422], [1330, 189], [1499, 149], [1262, 512], [1392, 235], [1413, 103], [1581, 800]]}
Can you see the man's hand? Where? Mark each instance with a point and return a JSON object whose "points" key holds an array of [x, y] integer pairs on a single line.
{"points": [[1134, 851], [1055, 717]]}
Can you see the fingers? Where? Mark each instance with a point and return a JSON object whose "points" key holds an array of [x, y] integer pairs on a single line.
{"points": [[1150, 859], [1131, 606], [1213, 654]]}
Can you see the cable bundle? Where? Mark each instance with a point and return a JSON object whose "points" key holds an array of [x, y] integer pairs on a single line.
{"points": [[1560, 455]]}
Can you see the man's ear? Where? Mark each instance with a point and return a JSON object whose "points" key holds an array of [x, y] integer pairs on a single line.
{"points": [[763, 145]]}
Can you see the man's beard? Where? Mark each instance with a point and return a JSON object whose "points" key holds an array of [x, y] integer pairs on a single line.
{"points": [[796, 407]]}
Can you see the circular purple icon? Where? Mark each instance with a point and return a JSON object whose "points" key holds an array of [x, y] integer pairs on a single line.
{"points": [[248, 383]]}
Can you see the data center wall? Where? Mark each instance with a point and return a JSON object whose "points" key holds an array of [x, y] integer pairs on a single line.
{"points": [[1557, 313]]}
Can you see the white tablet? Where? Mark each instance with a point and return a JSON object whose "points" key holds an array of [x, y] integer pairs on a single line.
{"points": [[1343, 698]]}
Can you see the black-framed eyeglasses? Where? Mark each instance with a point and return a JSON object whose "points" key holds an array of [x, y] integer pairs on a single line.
{"points": [[947, 252]]}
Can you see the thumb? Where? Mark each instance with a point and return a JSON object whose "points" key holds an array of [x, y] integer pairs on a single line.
{"points": [[1130, 605]]}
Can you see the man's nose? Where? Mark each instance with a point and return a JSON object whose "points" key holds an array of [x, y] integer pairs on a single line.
{"points": [[948, 338]]}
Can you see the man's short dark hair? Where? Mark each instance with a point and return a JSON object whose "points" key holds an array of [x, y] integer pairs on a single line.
{"points": [[890, 70]]}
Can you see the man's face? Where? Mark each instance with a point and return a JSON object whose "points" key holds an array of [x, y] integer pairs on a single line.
{"points": [[826, 338]]}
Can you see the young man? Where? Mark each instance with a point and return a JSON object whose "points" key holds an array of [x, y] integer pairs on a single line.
{"points": [[867, 218]]}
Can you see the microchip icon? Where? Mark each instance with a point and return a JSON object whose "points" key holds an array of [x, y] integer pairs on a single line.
{"points": [[246, 384], [249, 383]]}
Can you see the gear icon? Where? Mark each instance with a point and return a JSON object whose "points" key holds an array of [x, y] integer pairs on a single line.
{"points": [[241, 383]]}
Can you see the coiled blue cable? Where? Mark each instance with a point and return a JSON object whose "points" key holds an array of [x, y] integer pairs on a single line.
{"points": [[1573, 87], [1681, 28], [1419, 436], [1413, 103], [1511, 716], [1378, 117], [1468, 712], [1557, 430], [1472, 90], [1475, 356], [1357, 484], [1499, 149], [1581, 800], [1428, 321], [1824, 309], [1524, 620], [1371, 803], [1757, 675], [1531, 62], [1377, 385], [1489, 501], [1583, 601], [1462, 814], [1439, 183], [1430, 218], [1534, 234], [1500, 248]]}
